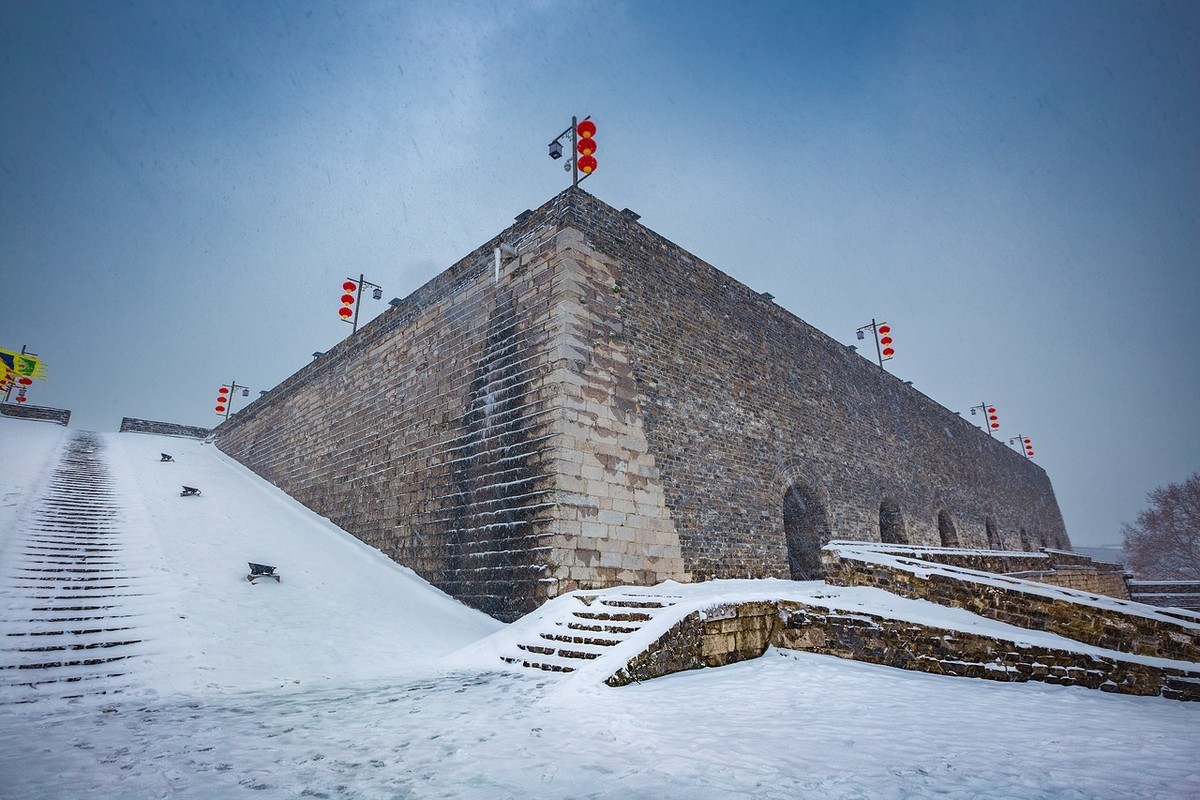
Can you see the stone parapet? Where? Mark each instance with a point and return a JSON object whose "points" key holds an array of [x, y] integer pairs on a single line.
{"points": [[60, 416], [134, 425]]}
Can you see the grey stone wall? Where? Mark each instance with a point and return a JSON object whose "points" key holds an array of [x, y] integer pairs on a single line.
{"points": [[606, 408], [60, 416], [135, 425], [741, 400]]}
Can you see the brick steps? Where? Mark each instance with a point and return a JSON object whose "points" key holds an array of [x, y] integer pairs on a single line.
{"points": [[585, 629], [65, 594]]}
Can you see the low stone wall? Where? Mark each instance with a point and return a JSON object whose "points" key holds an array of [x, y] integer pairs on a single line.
{"points": [[1105, 579], [909, 645], [714, 637], [734, 632], [38, 413], [1013, 601], [134, 425], [1054, 567], [1167, 594]]}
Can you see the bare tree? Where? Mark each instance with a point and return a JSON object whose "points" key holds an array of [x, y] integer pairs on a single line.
{"points": [[1164, 543]]}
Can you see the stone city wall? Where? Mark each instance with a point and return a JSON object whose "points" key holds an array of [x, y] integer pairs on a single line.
{"points": [[609, 409], [741, 401]]}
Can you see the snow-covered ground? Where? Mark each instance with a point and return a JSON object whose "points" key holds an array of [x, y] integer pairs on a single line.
{"points": [[334, 683]]}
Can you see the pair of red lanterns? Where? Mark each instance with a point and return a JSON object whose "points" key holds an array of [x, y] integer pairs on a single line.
{"points": [[350, 288]]}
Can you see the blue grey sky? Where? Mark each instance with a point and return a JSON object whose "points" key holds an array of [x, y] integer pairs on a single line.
{"points": [[1015, 187]]}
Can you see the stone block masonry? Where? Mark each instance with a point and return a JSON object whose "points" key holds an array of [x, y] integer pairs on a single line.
{"points": [[606, 408], [60, 416], [134, 425]]}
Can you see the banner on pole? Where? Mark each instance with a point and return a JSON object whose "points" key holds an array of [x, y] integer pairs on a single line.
{"points": [[22, 364]]}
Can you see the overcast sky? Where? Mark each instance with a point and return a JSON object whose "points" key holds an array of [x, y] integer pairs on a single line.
{"points": [[1014, 187]]}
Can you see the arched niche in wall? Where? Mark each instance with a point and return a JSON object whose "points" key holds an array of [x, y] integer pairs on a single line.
{"points": [[993, 536], [946, 529], [891, 523], [805, 523], [1026, 542]]}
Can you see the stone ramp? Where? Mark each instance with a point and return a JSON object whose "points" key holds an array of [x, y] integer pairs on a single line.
{"points": [[582, 627], [629, 634], [65, 587]]}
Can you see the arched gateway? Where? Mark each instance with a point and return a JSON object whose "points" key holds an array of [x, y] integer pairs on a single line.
{"points": [[805, 524]]}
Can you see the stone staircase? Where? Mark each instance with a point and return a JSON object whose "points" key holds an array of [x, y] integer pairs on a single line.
{"points": [[583, 627], [66, 628]]}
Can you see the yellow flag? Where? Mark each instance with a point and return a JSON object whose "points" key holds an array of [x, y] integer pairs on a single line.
{"points": [[22, 364]]}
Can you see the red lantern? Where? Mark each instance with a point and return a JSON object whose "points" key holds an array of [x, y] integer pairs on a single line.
{"points": [[223, 390], [25, 381], [21, 399], [347, 299], [586, 146], [587, 164], [220, 409], [884, 330], [888, 352], [586, 129], [345, 312], [349, 286]]}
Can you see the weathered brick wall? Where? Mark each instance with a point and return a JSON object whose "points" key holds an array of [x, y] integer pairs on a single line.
{"points": [[38, 413], [612, 410], [741, 399], [1169, 594], [1054, 567], [1006, 600], [424, 434], [134, 425]]}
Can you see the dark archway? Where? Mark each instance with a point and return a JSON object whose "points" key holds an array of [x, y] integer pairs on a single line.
{"points": [[947, 530], [993, 536], [804, 525], [891, 523]]}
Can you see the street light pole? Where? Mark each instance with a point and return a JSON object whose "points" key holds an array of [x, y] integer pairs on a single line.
{"points": [[362, 281], [233, 386], [991, 420], [883, 342]]}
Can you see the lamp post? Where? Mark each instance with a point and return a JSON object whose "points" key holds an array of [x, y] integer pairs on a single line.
{"points": [[353, 295], [583, 149], [1025, 443], [990, 417], [225, 397], [883, 340]]}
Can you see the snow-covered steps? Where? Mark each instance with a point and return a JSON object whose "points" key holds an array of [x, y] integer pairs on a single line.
{"points": [[65, 587], [584, 626]]}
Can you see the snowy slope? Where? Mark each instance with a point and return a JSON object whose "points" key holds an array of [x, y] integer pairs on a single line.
{"points": [[341, 612]]}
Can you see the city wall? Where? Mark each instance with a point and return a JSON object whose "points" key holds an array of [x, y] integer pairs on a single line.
{"points": [[590, 404]]}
